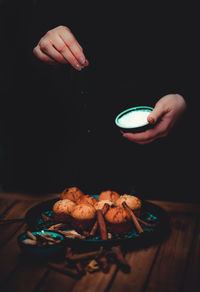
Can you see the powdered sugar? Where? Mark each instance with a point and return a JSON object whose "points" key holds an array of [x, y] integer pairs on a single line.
{"points": [[134, 119]]}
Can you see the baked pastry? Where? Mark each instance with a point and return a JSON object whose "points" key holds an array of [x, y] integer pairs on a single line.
{"points": [[72, 193], [109, 195], [62, 211], [118, 220], [132, 202], [83, 217], [86, 199], [99, 204]]}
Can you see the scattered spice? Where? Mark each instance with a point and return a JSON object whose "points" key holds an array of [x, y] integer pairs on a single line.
{"points": [[31, 235], [41, 239], [30, 241], [120, 259], [93, 266], [65, 270], [83, 256], [145, 223], [45, 218], [58, 226], [103, 264], [77, 264], [71, 234]]}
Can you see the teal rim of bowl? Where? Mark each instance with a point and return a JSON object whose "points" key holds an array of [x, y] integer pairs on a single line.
{"points": [[136, 108]]}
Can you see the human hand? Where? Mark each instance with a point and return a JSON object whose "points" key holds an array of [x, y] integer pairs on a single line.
{"points": [[60, 46], [165, 114]]}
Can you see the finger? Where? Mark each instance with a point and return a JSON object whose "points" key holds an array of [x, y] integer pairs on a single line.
{"points": [[160, 130], [43, 57], [47, 47], [146, 142], [75, 48], [67, 55], [86, 63], [63, 49], [156, 114], [138, 137], [156, 137]]}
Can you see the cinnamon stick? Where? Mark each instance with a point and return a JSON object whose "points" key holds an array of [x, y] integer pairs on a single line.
{"points": [[105, 208], [57, 226], [82, 256], [103, 263], [70, 235], [102, 225], [65, 270], [135, 221], [95, 226], [68, 252], [45, 218], [145, 223], [80, 269], [120, 259]]}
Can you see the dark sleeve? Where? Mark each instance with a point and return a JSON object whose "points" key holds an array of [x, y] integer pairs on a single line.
{"points": [[48, 14], [171, 60]]}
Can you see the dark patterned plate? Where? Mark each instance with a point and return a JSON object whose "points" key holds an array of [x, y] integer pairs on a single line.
{"points": [[150, 213]]}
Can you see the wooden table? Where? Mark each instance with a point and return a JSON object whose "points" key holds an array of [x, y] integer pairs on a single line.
{"points": [[172, 265]]}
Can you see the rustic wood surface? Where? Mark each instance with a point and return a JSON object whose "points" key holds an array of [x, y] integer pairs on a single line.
{"points": [[171, 265]]}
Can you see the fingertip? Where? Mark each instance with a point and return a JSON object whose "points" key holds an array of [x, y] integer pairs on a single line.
{"points": [[82, 60], [151, 120], [86, 63]]}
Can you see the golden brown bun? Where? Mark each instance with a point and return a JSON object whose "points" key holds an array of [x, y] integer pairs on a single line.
{"points": [[109, 195], [133, 202], [86, 199], [72, 193], [118, 220], [83, 217], [83, 211], [100, 204], [62, 210]]}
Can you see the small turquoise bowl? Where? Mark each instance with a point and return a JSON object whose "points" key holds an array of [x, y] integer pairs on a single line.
{"points": [[42, 251], [139, 126]]}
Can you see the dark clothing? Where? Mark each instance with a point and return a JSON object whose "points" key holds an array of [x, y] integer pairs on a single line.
{"points": [[137, 54]]}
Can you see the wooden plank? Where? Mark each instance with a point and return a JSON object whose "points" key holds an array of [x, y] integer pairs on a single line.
{"points": [[56, 281], [9, 255], [140, 262], [178, 207], [168, 270], [90, 282], [17, 210], [24, 196], [19, 275], [15, 274], [191, 279], [5, 205], [94, 282], [26, 277]]}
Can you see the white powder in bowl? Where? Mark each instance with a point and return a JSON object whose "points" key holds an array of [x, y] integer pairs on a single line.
{"points": [[134, 119]]}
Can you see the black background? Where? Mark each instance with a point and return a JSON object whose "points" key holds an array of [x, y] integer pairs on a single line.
{"points": [[35, 145]]}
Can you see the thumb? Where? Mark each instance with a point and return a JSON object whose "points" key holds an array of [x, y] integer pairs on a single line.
{"points": [[155, 115]]}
